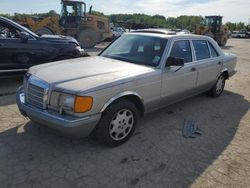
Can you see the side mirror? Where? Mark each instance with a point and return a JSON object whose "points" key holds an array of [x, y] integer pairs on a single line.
{"points": [[24, 36], [175, 61]]}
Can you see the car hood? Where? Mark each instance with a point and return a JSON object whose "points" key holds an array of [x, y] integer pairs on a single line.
{"points": [[57, 38], [88, 73]]}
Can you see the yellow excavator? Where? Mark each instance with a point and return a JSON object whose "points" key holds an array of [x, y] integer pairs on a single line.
{"points": [[213, 28], [73, 21]]}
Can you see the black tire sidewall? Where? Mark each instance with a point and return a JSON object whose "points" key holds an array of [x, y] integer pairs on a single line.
{"points": [[102, 130], [82, 39], [213, 91]]}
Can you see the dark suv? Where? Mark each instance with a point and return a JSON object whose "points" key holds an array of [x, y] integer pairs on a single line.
{"points": [[20, 48]]}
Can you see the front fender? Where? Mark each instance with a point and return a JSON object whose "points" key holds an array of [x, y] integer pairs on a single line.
{"points": [[123, 94]]}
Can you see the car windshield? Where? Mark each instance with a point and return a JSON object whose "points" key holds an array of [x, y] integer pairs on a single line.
{"points": [[138, 49]]}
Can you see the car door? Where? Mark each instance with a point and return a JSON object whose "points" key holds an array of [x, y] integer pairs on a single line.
{"points": [[208, 63], [179, 82], [17, 54]]}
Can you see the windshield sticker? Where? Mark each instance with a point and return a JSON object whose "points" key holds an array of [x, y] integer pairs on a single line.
{"points": [[156, 59]]}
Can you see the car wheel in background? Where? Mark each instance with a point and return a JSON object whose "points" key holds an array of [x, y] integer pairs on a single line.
{"points": [[87, 38], [117, 124]]}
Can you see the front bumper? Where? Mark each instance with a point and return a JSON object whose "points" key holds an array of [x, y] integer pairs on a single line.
{"points": [[69, 126], [80, 52]]}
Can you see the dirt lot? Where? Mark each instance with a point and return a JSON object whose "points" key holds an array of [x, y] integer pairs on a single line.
{"points": [[156, 156]]}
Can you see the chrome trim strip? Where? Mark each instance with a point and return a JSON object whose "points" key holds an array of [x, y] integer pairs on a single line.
{"points": [[33, 80], [13, 70]]}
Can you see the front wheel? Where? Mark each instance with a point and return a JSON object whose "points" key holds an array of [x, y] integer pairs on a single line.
{"points": [[117, 124], [87, 38], [218, 88]]}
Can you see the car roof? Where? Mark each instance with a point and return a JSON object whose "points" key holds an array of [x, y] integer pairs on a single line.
{"points": [[167, 33]]}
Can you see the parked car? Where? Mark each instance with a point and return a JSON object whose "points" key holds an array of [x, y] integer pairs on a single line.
{"points": [[138, 73], [20, 48], [117, 31], [240, 34]]}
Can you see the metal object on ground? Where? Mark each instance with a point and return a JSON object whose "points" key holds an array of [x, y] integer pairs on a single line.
{"points": [[190, 129]]}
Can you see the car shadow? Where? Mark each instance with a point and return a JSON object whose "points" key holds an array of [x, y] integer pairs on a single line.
{"points": [[157, 154], [227, 47], [8, 87]]}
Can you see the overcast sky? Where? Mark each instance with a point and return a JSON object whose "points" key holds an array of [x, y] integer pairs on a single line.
{"points": [[232, 10]]}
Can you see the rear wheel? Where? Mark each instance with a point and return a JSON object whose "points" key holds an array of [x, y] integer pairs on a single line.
{"points": [[117, 124], [87, 39], [218, 88], [44, 31], [223, 41]]}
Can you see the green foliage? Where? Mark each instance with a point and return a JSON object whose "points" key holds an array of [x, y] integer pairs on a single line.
{"points": [[237, 26], [145, 21], [184, 22], [6, 15], [97, 13], [20, 17], [138, 20]]}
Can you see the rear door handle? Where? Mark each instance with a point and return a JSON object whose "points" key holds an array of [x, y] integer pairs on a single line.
{"points": [[219, 63], [193, 69], [2, 45]]}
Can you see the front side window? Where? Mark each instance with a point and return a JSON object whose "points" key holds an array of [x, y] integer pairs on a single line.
{"points": [[201, 49], [181, 49], [138, 49], [8, 31], [214, 53]]}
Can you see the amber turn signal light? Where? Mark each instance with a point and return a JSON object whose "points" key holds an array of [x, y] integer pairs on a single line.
{"points": [[83, 104]]}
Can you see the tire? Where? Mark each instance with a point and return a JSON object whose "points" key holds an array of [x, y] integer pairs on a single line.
{"points": [[117, 124], [223, 41], [44, 31], [87, 38], [218, 87]]}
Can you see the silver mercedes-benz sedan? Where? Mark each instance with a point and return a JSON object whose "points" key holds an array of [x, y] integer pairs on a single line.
{"points": [[138, 73]]}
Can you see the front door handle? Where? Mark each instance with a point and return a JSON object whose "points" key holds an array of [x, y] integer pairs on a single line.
{"points": [[2, 45], [219, 63], [193, 69]]}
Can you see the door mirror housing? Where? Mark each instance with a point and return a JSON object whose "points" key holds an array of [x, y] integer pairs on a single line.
{"points": [[24, 36], [175, 61]]}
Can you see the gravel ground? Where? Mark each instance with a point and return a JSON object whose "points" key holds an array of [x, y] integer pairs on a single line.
{"points": [[156, 156]]}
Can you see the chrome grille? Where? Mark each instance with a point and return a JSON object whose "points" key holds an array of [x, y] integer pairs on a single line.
{"points": [[36, 92]]}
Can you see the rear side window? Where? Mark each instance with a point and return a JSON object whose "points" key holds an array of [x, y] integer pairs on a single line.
{"points": [[201, 49], [214, 53], [181, 49]]}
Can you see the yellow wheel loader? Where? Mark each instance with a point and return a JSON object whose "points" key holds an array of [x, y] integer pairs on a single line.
{"points": [[213, 27], [73, 21]]}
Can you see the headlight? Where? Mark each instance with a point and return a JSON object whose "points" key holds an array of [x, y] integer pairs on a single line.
{"points": [[66, 101], [72, 103]]}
